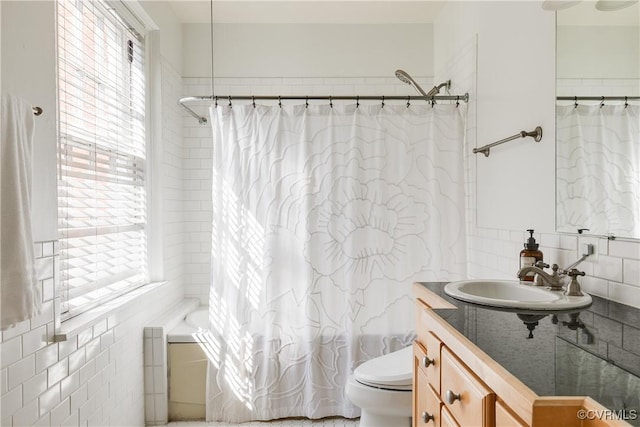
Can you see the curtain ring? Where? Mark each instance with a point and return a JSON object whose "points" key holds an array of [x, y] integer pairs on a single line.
{"points": [[575, 102], [358, 101], [253, 101], [306, 102], [626, 101], [230, 106], [602, 102], [408, 101], [215, 98], [457, 101], [382, 106], [279, 102], [331, 102]]}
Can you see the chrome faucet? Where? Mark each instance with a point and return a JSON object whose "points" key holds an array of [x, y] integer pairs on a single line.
{"points": [[542, 277], [573, 288]]}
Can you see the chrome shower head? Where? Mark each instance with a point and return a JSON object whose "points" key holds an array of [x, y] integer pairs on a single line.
{"points": [[406, 78]]}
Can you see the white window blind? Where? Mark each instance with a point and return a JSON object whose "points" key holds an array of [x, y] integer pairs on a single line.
{"points": [[101, 155]]}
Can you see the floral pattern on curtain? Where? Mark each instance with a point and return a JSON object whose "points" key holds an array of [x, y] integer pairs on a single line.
{"points": [[322, 219], [598, 169]]}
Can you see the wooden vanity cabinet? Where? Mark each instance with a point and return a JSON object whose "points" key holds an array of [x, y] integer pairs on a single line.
{"points": [[457, 384]]}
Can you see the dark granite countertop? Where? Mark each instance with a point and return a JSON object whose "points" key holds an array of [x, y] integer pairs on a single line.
{"points": [[594, 352]]}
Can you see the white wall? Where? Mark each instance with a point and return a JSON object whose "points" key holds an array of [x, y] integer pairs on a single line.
{"points": [[170, 31], [593, 52], [29, 71], [515, 91], [308, 50]]}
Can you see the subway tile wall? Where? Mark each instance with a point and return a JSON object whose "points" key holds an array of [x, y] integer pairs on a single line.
{"points": [[198, 150], [93, 378], [174, 197], [613, 272]]}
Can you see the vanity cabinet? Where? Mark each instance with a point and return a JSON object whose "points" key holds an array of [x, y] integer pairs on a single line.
{"points": [[457, 384]]}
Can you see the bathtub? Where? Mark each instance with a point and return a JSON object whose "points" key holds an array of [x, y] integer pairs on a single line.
{"points": [[192, 323], [187, 368]]}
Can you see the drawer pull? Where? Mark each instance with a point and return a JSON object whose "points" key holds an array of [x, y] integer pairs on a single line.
{"points": [[452, 397], [426, 362], [426, 417]]}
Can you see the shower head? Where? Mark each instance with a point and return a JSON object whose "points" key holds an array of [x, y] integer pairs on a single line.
{"points": [[406, 78]]}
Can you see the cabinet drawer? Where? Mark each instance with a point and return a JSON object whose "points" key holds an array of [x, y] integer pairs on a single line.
{"points": [[426, 407], [470, 401], [429, 359]]}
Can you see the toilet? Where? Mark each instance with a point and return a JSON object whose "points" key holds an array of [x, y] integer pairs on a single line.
{"points": [[381, 388]]}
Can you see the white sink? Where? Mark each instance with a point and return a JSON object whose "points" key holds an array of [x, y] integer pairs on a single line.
{"points": [[514, 294]]}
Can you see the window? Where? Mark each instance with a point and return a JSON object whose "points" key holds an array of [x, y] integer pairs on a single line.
{"points": [[101, 155]]}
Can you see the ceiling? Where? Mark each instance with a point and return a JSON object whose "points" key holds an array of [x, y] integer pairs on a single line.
{"points": [[308, 11]]}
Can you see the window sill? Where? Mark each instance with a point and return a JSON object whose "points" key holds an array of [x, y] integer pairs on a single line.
{"points": [[111, 309]]}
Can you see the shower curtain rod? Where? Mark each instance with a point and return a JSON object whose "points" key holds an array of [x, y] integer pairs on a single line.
{"points": [[382, 98], [598, 98]]}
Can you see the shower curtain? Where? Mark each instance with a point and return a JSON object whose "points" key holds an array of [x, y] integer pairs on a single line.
{"points": [[598, 169], [323, 216]]}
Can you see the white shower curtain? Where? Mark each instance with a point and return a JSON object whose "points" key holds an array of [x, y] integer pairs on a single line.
{"points": [[598, 169], [322, 219]]}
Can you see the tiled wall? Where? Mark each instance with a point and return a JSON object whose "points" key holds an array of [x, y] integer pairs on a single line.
{"points": [[198, 151], [172, 175], [613, 272], [598, 87], [155, 376], [92, 378]]}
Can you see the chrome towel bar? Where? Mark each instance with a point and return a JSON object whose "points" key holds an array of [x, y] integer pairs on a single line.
{"points": [[536, 134]]}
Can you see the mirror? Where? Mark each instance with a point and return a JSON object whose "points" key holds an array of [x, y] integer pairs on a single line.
{"points": [[597, 143]]}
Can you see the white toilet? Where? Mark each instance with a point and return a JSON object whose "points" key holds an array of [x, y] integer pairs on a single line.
{"points": [[381, 388]]}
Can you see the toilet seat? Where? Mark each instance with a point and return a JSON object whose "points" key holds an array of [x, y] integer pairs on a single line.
{"points": [[393, 371]]}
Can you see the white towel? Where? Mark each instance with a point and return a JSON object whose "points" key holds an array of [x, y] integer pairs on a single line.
{"points": [[19, 294]]}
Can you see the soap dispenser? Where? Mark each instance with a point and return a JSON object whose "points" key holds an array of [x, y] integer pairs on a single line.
{"points": [[530, 255]]}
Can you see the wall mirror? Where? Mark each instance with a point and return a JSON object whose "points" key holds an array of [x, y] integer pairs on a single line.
{"points": [[597, 140]]}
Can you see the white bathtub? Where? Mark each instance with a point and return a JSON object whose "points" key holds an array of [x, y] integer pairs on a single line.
{"points": [[187, 365], [191, 324]]}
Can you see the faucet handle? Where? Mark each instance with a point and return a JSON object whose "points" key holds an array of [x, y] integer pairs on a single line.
{"points": [[574, 272], [542, 264], [573, 288]]}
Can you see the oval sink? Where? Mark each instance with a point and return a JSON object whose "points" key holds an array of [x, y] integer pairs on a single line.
{"points": [[513, 294]]}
